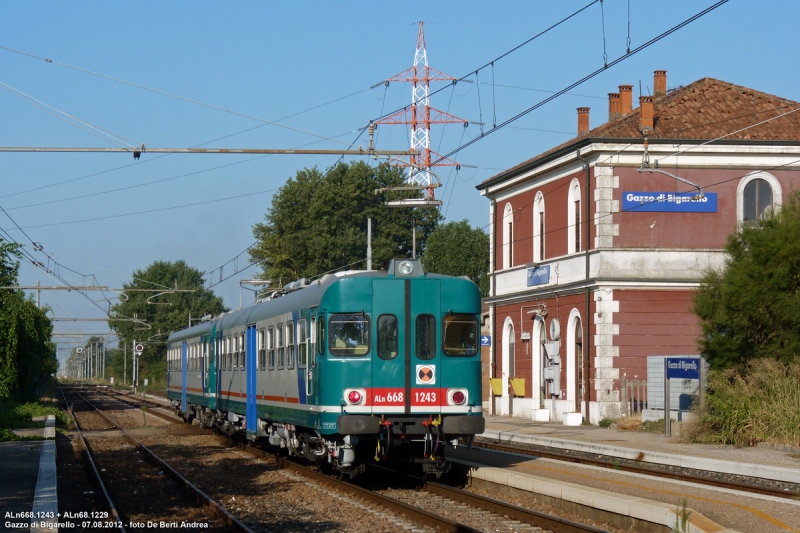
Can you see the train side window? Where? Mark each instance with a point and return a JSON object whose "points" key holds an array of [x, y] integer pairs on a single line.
{"points": [[279, 331], [262, 351], [313, 332], [460, 335], [302, 348], [241, 350], [229, 351], [320, 336], [426, 336], [271, 347], [387, 336], [205, 355], [290, 345], [349, 334]]}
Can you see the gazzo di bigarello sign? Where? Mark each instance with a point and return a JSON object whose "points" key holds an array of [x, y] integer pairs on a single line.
{"points": [[669, 202]]}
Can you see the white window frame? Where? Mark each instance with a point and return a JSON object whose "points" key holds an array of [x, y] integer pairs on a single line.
{"points": [[538, 208], [775, 185], [574, 196], [508, 237]]}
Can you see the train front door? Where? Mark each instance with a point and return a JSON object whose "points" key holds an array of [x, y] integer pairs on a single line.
{"points": [[250, 379], [405, 363]]}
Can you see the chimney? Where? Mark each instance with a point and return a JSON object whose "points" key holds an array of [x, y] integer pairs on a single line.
{"points": [[626, 99], [646, 113], [659, 83], [583, 121], [614, 106]]}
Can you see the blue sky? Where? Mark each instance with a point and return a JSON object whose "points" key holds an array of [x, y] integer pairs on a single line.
{"points": [[270, 60]]}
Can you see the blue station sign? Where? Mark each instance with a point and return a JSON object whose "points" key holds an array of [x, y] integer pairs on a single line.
{"points": [[538, 275], [683, 368], [486, 340], [669, 202]]}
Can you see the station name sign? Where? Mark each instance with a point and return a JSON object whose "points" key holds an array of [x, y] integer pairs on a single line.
{"points": [[683, 368], [669, 202], [538, 275]]}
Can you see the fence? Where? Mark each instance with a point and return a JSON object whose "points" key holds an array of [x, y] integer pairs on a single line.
{"points": [[634, 395]]}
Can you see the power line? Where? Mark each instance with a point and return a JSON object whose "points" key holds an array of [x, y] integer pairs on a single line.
{"points": [[588, 77], [164, 93]]}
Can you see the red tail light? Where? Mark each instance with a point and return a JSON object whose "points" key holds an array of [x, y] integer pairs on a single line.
{"points": [[354, 396], [458, 397]]}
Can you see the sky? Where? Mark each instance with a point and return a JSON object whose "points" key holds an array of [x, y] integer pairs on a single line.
{"points": [[304, 74]]}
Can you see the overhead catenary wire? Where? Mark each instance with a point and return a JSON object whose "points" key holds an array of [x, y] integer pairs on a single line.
{"points": [[112, 138], [171, 95], [587, 77]]}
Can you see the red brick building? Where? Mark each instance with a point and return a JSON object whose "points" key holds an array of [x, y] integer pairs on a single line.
{"points": [[661, 187]]}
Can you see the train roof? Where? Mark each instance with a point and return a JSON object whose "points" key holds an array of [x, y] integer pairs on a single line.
{"points": [[301, 298]]}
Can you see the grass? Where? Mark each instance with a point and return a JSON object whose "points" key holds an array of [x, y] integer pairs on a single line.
{"points": [[14, 415], [761, 404]]}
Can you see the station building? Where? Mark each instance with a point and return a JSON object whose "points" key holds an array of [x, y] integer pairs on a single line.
{"points": [[610, 234]]}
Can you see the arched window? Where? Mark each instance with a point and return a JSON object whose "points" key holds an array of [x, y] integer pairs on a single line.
{"points": [[574, 218], [538, 228], [757, 195], [574, 338], [508, 237]]}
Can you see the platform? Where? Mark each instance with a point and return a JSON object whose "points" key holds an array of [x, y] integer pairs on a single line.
{"points": [[28, 478], [654, 505]]}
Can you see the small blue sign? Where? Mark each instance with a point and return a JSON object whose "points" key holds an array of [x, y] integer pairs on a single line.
{"points": [[538, 275], [486, 340], [669, 202], [683, 368]]}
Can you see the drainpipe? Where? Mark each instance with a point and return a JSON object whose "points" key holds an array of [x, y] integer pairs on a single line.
{"points": [[492, 308], [586, 337]]}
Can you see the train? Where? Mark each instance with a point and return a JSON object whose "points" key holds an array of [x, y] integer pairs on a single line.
{"points": [[352, 368]]}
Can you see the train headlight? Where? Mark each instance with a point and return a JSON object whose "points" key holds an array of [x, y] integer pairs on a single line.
{"points": [[406, 268], [457, 396], [355, 396]]}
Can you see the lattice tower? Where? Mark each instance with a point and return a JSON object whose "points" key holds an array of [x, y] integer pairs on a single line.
{"points": [[420, 115]]}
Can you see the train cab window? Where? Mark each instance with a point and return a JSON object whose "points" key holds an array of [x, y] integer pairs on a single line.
{"points": [[349, 334], [460, 335], [426, 337], [290, 345], [271, 347], [279, 339], [320, 337], [262, 351], [302, 347], [241, 350], [387, 336]]}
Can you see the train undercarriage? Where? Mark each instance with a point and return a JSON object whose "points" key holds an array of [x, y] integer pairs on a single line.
{"points": [[420, 440]]}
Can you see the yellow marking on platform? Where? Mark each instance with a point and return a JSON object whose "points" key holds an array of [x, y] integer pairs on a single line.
{"points": [[760, 514]]}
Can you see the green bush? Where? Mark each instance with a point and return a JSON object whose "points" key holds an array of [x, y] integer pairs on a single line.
{"points": [[606, 422], [760, 404], [18, 416]]}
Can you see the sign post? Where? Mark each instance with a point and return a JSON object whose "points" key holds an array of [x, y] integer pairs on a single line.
{"points": [[680, 368]]}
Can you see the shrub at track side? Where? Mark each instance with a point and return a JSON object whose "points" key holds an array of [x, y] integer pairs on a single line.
{"points": [[761, 404]]}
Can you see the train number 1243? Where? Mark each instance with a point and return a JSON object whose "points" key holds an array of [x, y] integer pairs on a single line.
{"points": [[425, 397]]}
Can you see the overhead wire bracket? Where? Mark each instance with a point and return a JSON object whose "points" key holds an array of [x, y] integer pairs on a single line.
{"points": [[646, 167]]}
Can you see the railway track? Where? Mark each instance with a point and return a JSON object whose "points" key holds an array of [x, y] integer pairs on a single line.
{"points": [[411, 504], [209, 505], [754, 486]]}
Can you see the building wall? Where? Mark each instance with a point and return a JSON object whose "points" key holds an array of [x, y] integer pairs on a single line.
{"points": [[653, 322], [556, 201], [685, 230]]}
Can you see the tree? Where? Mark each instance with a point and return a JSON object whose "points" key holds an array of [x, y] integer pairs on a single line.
{"points": [[163, 313], [751, 308], [27, 357], [456, 249], [318, 223]]}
